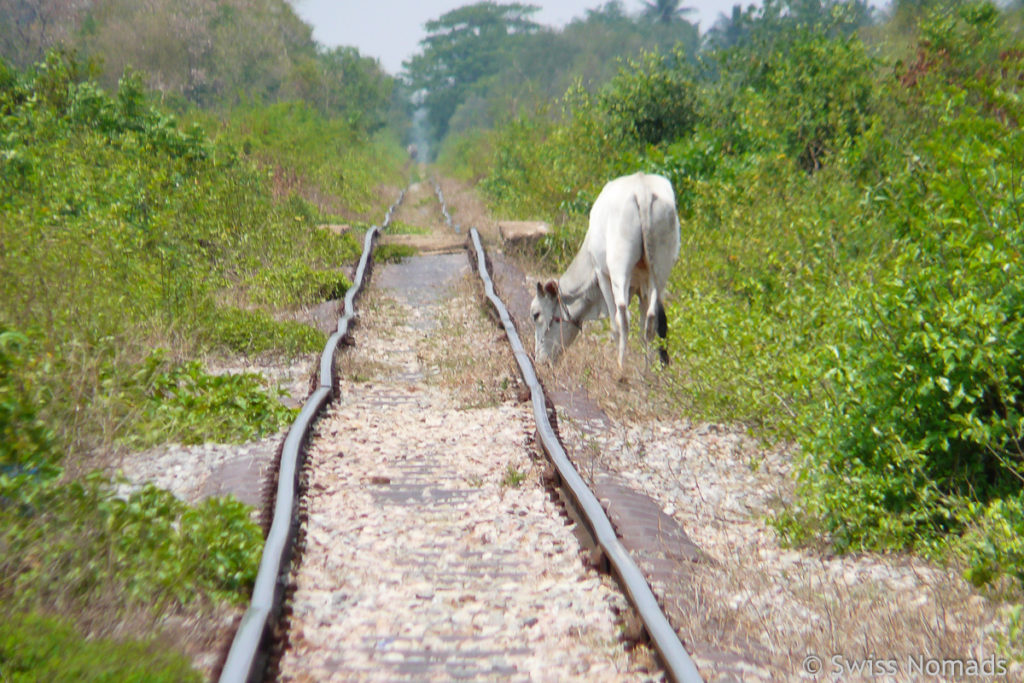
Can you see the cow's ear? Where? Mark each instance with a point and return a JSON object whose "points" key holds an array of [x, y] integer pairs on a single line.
{"points": [[551, 288], [540, 289]]}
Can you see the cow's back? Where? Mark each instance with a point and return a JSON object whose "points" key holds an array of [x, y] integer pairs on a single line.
{"points": [[637, 213]]}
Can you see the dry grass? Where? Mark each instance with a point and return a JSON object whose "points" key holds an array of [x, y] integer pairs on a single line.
{"points": [[783, 612], [591, 363], [469, 352], [378, 312]]}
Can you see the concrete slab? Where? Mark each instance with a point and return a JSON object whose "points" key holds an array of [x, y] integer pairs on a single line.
{"points": [[522, 232]]}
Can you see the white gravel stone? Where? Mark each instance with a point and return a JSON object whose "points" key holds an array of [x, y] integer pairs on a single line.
{"points": [[447, 571]]}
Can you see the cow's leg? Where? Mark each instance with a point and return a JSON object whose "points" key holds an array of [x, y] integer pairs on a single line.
{"points": [[625, 249], [644, 296], [604, 283], [653, 303], [620, 293]]}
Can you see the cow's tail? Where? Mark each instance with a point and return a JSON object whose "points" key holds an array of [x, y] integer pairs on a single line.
{"points": [[645, 206], [663, 333]]}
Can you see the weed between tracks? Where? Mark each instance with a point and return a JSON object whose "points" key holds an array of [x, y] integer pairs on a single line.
{"points": [[469, 352], [375, 311]]}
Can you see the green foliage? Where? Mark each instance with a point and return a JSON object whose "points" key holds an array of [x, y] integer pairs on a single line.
{"points": [[341, 83], [123, 230], [34, 647], [26, 444], [185, 404], [653, 99], [806, 97], [995, 544], [756, 29], [146, 225], [541, 64], [297, 284], [148, 549], [208, 53], [324, 160], [462, 47], [256, 332], [927, 409]]}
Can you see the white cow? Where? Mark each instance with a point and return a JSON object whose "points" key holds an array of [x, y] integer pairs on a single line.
{"points": [[630, 247]]}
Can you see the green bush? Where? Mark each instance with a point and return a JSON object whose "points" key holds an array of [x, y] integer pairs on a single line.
{"points": [[653, 99], [185, 404], [330, 162], [121, 230], [255, 332], [297, 284], [26, 444], [148, 550], [146, 224], [34, 647], [995, 542], [806, 97], [926, 407]]}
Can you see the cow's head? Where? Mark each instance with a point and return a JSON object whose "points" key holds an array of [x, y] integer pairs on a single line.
{"points": [[553, 326]]}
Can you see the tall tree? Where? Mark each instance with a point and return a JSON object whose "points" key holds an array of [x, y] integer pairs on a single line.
{"points": [[462, 47], [665, 11], [340, 81]]}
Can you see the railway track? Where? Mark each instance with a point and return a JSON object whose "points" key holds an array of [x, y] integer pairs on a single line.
{"points": [[425, 543]]}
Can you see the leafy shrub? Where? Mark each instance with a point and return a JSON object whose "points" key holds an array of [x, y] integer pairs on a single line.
{"points": [[928, 405], [34, 647], [254, 332], [806, 97], [765, 254], [995, 543], [297, 284], [327, 161], [121, 228], [185, 404], [26, 444], [652, 99], [149, 549], [145, 224]]}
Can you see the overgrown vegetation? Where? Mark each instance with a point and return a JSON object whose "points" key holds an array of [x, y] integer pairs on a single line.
{"points": [[34, 647], [850, 272], [124, 231], [73, 547], [131, 243], [484, 63]]}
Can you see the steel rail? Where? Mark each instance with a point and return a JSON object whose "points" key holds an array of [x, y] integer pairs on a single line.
{"points": [[674, 656], [247, 658], [444, 209]]}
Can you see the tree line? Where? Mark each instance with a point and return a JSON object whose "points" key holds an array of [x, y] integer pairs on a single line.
{"points": [[210, 53]]}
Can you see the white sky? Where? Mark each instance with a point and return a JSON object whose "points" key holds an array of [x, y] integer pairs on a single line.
{"points": [[390, 30]]}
